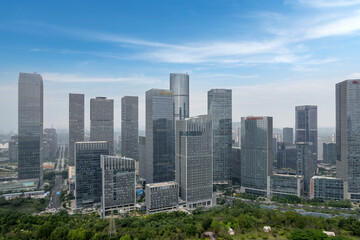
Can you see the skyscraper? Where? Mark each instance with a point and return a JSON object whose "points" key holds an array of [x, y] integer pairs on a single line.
{"points": [[348, 137], [142, 157], [102, 121], [236, 164], [288, 135], [30, 126], [220, 111], [256, 154], [286, 156], [88, 181], [118, 183], [51, 139], [306, 129], [129, 127], [160, 131], [76, 123], [304, 163], [179, 85], [193, 158], [329, 153]]}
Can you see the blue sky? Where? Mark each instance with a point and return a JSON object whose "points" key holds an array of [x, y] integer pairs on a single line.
{"points": [[273, 54]]}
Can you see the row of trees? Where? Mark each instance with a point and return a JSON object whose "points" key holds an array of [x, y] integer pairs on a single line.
{"points": [[246, 219], [314, 202]]}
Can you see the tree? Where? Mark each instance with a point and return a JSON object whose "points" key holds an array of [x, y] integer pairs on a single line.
{"points": [[77, 234], [59, 233], [190, 230], [310, 234], [126, 237], [44, 231]]}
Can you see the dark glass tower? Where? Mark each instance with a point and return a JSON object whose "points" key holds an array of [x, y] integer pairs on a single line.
{"points": [[160, 145], [30, 126], [76, 123], [129, 127], [220, 111], [88, 181]]}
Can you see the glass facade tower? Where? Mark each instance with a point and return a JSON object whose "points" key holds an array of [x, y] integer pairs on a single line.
{"points": [[220, 111], [76, 123], [193, 158], [348, 137], [129, 127], [160, 131], [102, 121], [306, 128], [256, 154], [88, 180], [179, 85], [30, 126]]}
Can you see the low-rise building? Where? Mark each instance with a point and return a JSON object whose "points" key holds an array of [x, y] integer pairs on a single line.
{"points": [[284, 185], [163, 196], [327, 188]]}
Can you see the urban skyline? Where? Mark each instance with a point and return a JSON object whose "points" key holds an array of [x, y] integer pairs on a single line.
{"points": [[223, 119], [269, 62]]}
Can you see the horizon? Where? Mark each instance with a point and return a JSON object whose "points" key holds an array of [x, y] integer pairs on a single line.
{"points": [[273, 55]]}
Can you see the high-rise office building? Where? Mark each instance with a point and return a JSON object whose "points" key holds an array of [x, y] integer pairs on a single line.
{"points": [[129, 127], [13, 149], [30, 126], [193, 156], [160, 139], [288, 135], [102, 121], [306, 129], [286, 156], [179, 85], [256, 154], [50, 137], [329, 153], [76, 123], [142, 157], [118, 183], [88, 180], [236, 164], [304, 164], [274, 146], [348, 137], [220, 111]]}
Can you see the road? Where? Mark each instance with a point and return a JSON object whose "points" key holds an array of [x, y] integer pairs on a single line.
{"points": [[55, 201], [61, 159]]}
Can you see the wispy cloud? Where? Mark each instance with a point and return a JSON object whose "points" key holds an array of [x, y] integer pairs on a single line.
{"points": [[285, 45], [341, 26], [227, 75], [77, 78], [329, 3]]}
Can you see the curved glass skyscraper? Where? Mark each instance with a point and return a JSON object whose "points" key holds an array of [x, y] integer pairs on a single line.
{"points": [[179, 85]]}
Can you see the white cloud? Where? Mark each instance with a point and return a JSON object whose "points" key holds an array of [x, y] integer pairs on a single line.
{"points": [[353, 75], [329, 3], [341, 26], [77, 78]]}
